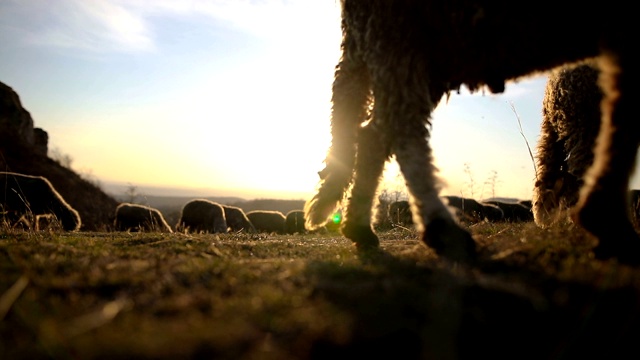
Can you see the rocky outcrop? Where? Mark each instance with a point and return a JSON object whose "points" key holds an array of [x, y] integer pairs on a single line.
{"points": [[15, 121], [23, 149]]}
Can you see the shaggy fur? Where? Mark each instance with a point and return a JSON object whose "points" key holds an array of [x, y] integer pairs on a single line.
{"points": [[401, 57], [237, 220], [294, 222], [136, 217], [26, 197], [570, 124], [268, 221], [202, 216]]}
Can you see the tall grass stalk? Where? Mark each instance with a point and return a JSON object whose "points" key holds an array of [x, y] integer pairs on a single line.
{"points": [[533, 161]]}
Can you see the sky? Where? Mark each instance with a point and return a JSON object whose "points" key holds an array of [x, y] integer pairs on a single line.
{"points": [[228, 98]]}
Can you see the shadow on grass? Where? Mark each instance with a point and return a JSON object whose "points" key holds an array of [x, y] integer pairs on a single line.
{"points": [[432, 310], [534, 295]]}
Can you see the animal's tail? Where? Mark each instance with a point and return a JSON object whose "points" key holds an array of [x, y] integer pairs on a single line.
{"points": [[351, 99]]}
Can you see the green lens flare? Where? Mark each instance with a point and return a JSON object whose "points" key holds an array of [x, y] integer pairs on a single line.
{"points": [[337, 218]]}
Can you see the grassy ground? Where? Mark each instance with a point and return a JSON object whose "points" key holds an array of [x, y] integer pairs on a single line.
{"points": [[537, 294]]}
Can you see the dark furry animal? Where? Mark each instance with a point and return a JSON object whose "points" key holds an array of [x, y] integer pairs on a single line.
{"points": [[26, 197], [513, 212], [268, 221], [202, 216], [294, 222], [526, 203], [136, 217], [400, 58], [473, 210], [237, 220], [570, 124], [634, 206], [465, 208]]}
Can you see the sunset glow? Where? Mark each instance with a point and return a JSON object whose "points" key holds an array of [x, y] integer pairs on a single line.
{"points": [[228, 97]]}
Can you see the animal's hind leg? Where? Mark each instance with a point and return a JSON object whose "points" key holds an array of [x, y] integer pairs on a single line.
{"points": [[370, 159], [404, 100], [440, 230], [603, 208]]}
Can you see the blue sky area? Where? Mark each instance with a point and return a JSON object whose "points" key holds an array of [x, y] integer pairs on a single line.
{"points": [[227, 98]]}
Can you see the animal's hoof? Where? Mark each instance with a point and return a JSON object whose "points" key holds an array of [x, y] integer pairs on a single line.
{"points": [[450, 241], [363, 236]]}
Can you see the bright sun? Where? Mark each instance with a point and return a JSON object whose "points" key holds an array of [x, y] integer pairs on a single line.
{"points": [[260, 124]]}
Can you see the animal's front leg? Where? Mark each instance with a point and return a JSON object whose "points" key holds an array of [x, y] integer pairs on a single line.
{"points": [[370, 159], [551, 175]]}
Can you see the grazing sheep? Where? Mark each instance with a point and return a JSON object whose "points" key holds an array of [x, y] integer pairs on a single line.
{"points": [[400, 213], [473, 210], [294, 222], [237, 220], [135, 217], [27, 197], [513, 211], [469, 209], [268, 221], [400, 58], [201, 215], [526, 203], [570, 124]]}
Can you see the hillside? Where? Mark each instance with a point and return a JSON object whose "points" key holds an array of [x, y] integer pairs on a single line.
{"points": [[23, 149]]}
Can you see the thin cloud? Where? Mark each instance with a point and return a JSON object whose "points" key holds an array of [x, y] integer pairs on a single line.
{"points": [[96, 25], [125, 25]]}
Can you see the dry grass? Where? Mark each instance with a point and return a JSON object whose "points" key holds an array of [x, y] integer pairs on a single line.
{"points": [[536, 294]]}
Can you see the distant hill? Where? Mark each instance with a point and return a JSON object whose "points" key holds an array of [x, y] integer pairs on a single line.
{"points": [[173, 201], [504, 199], [121, 189]]}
